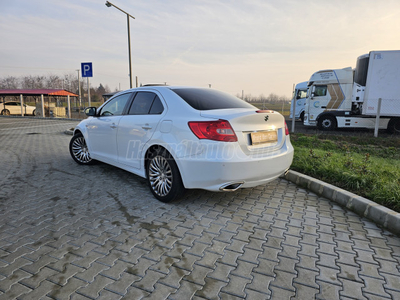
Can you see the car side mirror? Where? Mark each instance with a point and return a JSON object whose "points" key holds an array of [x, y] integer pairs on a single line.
{"points": [[90, 111]]}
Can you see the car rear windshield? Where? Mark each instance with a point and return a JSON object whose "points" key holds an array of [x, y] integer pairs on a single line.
{"points": [[208, 99]]}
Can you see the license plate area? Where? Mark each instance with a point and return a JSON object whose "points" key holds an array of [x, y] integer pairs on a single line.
{"points": [[264, 137]]}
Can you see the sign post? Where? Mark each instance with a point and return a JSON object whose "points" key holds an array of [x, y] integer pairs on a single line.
{"points": [[87, 71]]}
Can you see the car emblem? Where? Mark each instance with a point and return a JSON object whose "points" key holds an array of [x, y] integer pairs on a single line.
{"points": [[266, 118]]}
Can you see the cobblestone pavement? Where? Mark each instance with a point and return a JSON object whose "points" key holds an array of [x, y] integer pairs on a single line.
{"points": [[95, 232]]}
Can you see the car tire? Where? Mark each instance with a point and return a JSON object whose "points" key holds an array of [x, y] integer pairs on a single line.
{"points": [[163, 176], [34, 112], [327, 123], [5, 112], [79, 150]]}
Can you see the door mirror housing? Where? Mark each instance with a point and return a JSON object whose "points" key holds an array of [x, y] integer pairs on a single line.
{"points": [[90, 111]]}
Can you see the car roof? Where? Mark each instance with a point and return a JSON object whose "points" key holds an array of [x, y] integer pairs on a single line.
{"points": [[165, 87]]}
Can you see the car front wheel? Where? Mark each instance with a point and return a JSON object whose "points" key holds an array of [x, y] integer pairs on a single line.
{"points": [[5, 112], [79, 150], [163, 176]]}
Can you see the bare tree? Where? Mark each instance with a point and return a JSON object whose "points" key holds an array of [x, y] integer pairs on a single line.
{"points": [[107, 89], [9, 82], [33, 82], [53, 82], [284, 99], [273, 98]]}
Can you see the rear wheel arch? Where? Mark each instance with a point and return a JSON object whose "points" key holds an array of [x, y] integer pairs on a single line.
{"points": [[154, 149]]}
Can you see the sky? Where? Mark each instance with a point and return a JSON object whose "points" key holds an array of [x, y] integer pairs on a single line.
{"points": [[255, 46]]}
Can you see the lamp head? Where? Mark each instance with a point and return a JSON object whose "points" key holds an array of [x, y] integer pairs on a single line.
{"points": [[108, 4]]}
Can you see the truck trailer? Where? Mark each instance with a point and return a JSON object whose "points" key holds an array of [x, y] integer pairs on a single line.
{"points": [[349, 98], [299, 101]]}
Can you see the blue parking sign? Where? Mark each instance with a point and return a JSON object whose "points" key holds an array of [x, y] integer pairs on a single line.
{"points": [[87, 69]]}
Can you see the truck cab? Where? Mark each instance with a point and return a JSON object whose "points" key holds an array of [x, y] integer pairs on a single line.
{"points": [[299, 101], [329, 95], [354, 98]]}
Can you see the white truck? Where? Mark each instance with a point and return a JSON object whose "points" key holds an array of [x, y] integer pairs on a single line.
{"points": [[349, 98], [299, 101]]}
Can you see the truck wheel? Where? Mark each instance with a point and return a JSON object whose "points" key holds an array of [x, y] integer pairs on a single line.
{"points": [[302, 117], [327, 123], [394, 126]]}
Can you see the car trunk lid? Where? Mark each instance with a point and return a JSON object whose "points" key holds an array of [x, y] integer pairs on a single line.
{"points": [[258, 132]]}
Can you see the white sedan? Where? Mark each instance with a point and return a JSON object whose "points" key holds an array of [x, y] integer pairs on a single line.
{"points": [[14, 108], [185, 138]]}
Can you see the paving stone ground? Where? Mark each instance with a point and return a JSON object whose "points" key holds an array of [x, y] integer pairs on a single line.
{"points": [[95, 232]]}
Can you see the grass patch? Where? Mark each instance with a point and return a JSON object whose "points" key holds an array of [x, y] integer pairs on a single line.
{"points": [[366, 166]]}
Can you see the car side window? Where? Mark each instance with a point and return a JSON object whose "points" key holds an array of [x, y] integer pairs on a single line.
{"points": [[146, 103], [156, 108], [115, 106]]}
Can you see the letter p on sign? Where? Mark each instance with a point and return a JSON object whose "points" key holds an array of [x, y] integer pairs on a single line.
{"points": [[87, 69]]}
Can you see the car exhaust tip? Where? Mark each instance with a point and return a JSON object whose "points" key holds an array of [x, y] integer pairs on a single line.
{"points": [[231, 187]]}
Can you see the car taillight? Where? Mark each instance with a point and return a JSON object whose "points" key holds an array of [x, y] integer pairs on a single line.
{"points": [[286, 129], [219, 130]]}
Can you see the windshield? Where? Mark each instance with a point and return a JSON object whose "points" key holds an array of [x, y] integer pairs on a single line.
{"points": [[301, 94]]}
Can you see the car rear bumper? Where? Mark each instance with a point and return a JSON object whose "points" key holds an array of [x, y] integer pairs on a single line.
{"points": [[214, 174]]}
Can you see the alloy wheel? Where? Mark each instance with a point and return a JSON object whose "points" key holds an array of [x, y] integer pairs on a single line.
{"points": [[80, 150], [160, 176]]}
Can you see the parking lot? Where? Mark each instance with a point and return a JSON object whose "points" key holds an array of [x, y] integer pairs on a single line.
{"points": [[96, 232]]}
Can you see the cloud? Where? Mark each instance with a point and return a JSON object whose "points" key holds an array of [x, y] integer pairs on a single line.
{"points": [[259, 46]]}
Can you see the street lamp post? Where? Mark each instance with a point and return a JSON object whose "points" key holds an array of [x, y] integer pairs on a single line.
{"points": [[109, 4]]}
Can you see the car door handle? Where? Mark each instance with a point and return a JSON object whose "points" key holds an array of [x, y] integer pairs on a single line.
{"points": [[146, 126], [113, 126]]}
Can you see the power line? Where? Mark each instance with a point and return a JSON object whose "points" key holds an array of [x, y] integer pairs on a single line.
{"points": [[11, 67]]}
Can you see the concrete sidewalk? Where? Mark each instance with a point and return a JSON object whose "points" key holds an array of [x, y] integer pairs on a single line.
{"points": [[379, 214]]}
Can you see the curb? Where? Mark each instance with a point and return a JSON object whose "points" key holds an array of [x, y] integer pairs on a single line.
{"points": [[41, 118], [381, 215], [69, 131]]}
